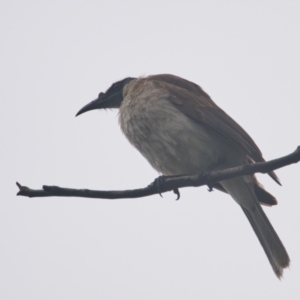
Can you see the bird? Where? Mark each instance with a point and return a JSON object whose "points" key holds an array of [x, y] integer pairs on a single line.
{"points": [[180, 130]]}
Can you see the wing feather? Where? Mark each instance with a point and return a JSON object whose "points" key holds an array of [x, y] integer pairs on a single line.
{"points": [[191, 100]]}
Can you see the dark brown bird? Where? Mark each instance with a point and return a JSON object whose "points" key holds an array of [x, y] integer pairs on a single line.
{"points": [[181, 131]]}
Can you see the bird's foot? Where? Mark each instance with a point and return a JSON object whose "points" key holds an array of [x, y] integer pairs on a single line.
{"points": [[209, 185], [159, 181]]}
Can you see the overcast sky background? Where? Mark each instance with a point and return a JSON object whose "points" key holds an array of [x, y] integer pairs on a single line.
{"points": [[55, 57]]}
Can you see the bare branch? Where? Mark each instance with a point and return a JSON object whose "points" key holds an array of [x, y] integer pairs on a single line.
{"points": [[166, 184]]}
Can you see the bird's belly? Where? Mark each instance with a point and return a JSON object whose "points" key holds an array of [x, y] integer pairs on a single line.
{"points": [[171, 142], [181, 153]]}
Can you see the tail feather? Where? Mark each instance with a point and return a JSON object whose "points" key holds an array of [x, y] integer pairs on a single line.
{"points": [[269, 240], [243, 191], [262, 195]]}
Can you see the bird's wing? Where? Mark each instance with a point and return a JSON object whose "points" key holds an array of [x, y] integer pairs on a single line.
{"points": [[191, 100]]}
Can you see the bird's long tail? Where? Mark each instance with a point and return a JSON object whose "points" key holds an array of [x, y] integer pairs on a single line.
{"points": [[241, 189]]}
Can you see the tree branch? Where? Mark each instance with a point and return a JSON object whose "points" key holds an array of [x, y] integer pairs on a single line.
{"points": [[166, 183]]}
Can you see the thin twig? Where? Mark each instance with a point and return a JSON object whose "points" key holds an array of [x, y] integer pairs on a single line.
{"points": [[165, 184]]}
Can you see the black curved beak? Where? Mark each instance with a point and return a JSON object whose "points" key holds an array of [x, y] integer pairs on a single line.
{"points": [[90, 106], [95, 104]]}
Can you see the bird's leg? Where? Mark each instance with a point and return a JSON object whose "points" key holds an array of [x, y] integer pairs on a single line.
{"points": [[158, 182]]}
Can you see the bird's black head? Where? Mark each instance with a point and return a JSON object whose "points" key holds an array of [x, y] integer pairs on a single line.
{"points": [[112, 98]]}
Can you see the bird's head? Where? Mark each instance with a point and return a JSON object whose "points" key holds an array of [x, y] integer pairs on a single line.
{"points": [[112, 98]]}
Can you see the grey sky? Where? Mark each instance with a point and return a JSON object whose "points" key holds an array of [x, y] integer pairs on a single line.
{"points": [[55, 57]]}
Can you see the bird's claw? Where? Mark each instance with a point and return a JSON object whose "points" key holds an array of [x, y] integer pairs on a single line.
{"points": [[159, 181], [176, 191], [210, 187]]}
